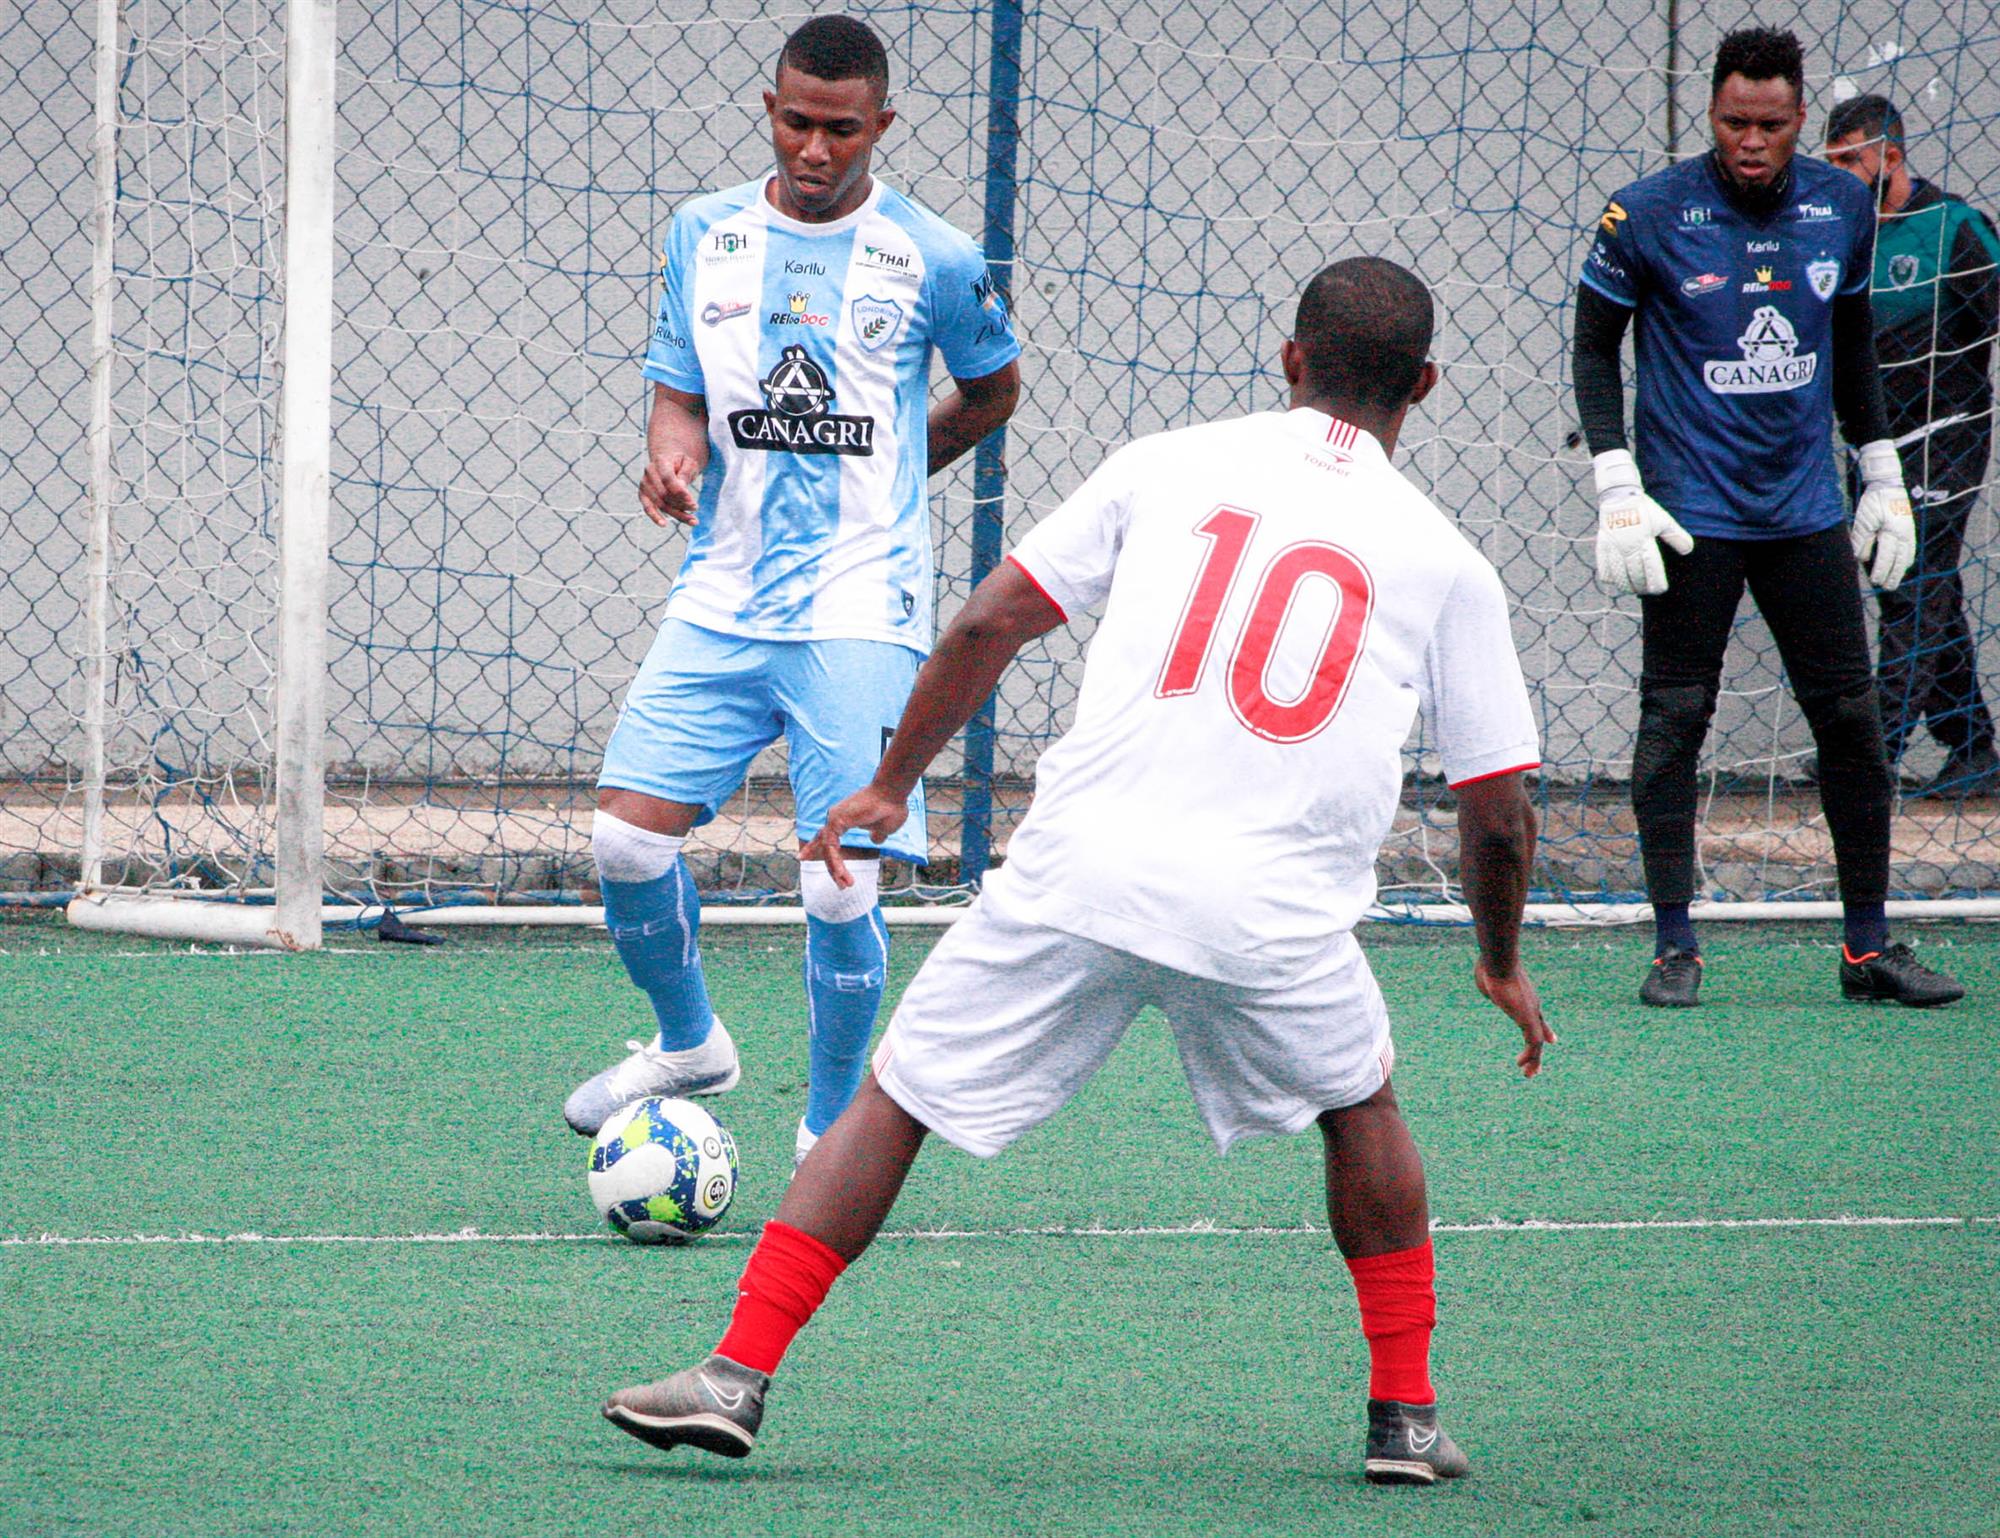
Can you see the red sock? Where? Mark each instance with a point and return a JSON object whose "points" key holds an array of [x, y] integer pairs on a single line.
{"points": [[783, 1286], [1398, 1312]]}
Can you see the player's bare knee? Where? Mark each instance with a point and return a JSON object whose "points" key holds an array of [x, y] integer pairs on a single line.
{"points": [[655, 814]]}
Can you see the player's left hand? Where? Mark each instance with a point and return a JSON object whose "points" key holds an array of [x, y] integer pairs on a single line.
{"points": [[874, 810], [1517, 997], [1882, 518]]}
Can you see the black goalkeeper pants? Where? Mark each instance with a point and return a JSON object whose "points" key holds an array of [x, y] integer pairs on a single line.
{"points": [[1808, 591]]}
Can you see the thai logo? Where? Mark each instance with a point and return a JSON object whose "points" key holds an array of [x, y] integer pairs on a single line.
{"points": [[796, 420], [1771, 361], [877, 322], [884, 260]]}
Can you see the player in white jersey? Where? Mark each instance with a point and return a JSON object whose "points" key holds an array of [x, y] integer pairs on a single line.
{"points": [[1277, 605], [790, 363]]}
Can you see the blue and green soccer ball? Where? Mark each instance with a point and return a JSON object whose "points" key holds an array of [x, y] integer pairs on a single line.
{"points": [[662, 1171]]}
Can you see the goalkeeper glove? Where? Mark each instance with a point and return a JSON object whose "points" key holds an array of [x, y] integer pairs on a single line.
{"points": [[1882, 516], [1630, 525]]}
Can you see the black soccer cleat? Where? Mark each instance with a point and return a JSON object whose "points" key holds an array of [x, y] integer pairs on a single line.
{"points": [[1407, 1446], [717, 1407], [1674, 981], [1895, 976]]}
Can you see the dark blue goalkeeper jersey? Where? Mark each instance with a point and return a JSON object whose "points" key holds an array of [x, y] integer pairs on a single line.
{"points": [[1733, 426]]}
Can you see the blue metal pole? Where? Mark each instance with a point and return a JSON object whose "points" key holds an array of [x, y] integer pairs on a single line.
{"points": [[989, 464]]}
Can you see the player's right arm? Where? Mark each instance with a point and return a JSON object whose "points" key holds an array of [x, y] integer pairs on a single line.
{"points": [[676, 451], [1063, 567], [1005, 612], [677, 426], [1630, 524]]}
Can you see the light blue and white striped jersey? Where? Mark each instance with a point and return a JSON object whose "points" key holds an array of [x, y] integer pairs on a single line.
{"points": [[812, 344]]}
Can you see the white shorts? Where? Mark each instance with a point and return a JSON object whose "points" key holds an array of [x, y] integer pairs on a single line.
{"points": [[1008, 1019]]}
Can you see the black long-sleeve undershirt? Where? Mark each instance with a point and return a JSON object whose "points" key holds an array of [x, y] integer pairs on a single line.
{"points": [[1600, 390], [1593, 367], [1857, 375]]}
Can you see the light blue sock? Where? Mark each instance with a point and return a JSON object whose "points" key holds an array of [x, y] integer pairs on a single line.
{"points": [[655, 925], [847, 965]]}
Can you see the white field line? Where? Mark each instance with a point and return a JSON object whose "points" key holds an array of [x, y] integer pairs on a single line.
{"points": [[1188, 1231]]}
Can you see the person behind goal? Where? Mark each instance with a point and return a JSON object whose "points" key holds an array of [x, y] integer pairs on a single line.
{"points": [[1277, 604]]}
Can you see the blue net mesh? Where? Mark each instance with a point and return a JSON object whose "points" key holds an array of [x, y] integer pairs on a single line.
{"points": [[506, 173]]}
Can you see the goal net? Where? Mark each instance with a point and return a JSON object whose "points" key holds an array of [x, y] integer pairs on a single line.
{"points": [[1164, 177]]}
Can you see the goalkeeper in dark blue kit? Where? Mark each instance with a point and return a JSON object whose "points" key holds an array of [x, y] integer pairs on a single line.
{"points": [[1745, 274]]}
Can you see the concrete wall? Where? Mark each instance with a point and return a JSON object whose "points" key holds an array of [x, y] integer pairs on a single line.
{"points": [[505, 181]]}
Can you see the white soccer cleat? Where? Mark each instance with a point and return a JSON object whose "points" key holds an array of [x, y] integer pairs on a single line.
{"points": [[802, 1144], [708, 1069]]}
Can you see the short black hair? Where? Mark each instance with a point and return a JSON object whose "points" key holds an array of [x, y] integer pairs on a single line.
{"points": [[1873, 117], [1364, 325], [838, 48], [1761, 53]]}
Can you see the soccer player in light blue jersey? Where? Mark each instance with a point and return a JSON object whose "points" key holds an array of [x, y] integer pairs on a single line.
{"points": [[792, 433], [1745, 273]]}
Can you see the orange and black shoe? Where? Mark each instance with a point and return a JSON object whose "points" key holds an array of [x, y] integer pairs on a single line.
{"points": [[1895, 976], [1674, 981]]}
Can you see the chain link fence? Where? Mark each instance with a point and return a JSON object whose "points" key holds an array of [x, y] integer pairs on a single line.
{"points": [[506, 175]]}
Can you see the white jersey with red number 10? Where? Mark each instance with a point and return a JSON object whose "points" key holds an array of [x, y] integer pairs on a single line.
{"points": [[1281, 602]]}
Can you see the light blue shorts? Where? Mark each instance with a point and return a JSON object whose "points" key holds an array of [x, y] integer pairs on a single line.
{"points": [[706, 704]]}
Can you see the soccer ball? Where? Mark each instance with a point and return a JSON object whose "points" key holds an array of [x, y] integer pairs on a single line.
{"points": [[662, 1171]]}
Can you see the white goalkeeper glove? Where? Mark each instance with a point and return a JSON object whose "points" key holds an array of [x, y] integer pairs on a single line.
{"points": [[1630, 526], [1882, 516]]}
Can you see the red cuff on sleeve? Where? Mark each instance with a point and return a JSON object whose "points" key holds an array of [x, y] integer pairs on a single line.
{"points": [[1039, 588], [1494, 775]]}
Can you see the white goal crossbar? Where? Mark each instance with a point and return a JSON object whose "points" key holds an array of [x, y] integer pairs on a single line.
{"points": [[258, 925]]}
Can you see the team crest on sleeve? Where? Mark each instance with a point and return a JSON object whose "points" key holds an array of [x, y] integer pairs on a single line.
{"points": [[1611, 218], [1823, 275], [1902, 270], [876, 322]]}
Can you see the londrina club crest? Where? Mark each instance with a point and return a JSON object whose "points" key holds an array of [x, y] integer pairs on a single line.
{"points": [[876, 322]]}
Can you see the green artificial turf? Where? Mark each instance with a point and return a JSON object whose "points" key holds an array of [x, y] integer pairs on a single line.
{"points": [[1636, 1381]]}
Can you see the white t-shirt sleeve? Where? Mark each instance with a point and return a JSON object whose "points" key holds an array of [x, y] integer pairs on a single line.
{"points": [[1478, 708], [1071, 554]]}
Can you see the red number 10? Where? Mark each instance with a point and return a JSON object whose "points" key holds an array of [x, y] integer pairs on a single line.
{"points": [[1228, 534]]}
